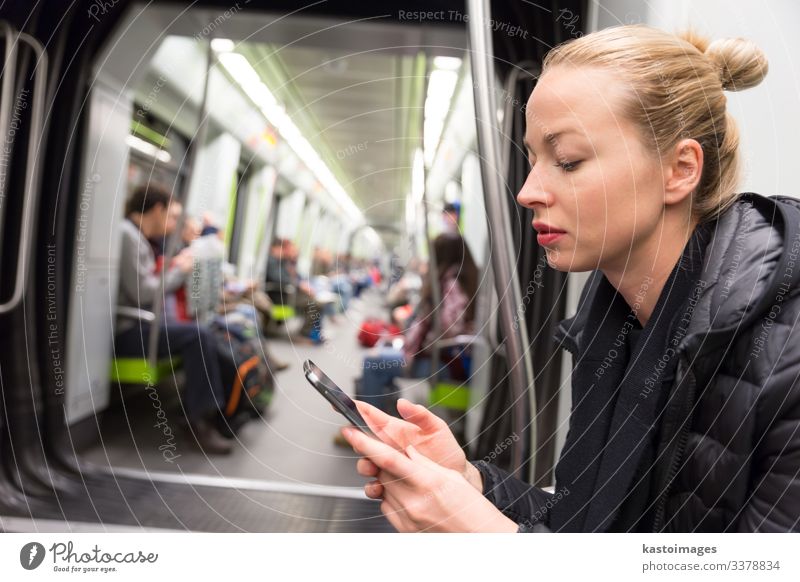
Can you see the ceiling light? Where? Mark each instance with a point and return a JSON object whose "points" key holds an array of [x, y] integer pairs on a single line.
{"points": [[246, 76], [148, 149], [447, 63], [441, 85], [222, 45]]}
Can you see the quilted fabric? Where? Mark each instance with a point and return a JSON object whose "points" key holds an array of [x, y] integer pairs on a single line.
{"points": [[729, 437]]}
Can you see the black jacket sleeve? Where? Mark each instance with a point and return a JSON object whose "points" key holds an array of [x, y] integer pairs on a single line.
{"points": [[523, 503], [773, 503]]}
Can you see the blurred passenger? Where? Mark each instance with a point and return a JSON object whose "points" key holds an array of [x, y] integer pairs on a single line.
{"points": [[149, 217], [375, 273], [191, 230], [360, 278], [340, 281], [455, 313], [282, 273], [205, 288], [320, 262], [450, 218], [159, 242], [406, 290], [210, 225]]}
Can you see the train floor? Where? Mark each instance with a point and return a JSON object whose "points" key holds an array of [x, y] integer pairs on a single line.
{"points": [[294, 443]]}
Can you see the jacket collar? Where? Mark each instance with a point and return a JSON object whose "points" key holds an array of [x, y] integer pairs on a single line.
{"points": [[751, 265], [745, 270]]}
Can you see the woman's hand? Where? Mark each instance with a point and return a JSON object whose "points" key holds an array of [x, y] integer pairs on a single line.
{"points": [[422, 429], [421, 495]]}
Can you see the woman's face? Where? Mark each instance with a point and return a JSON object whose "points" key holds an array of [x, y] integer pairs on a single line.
{"points": [[591, 177]]}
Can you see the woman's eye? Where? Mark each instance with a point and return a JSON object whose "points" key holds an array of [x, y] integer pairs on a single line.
{"points": [[568, 166]]}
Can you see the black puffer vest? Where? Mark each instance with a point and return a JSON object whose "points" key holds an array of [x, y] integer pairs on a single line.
{"points": [[728, 439]]}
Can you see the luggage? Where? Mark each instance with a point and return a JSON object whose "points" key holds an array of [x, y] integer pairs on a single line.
{"points": [[372, 330]]}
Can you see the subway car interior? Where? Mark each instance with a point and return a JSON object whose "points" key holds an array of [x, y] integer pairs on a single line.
{"points": [[313, 154]]}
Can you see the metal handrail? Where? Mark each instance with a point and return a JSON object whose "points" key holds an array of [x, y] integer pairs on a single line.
{"points": [[135, 313], [506, 283], [31, 191], [9, 76]]}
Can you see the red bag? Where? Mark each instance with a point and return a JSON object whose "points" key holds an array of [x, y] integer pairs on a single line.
{"points": [[372, 330]]}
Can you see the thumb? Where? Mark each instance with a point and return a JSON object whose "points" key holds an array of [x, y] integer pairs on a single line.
{"points": [[419, 415]]}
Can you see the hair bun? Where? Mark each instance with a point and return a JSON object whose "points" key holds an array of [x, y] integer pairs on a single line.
{"points": [[740, 62]]}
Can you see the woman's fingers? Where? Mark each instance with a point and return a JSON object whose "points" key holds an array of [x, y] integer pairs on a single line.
{"points": [[366, 468], [418, 457], [382, 455], [386, 427], [419, 415], [366, 409], [374, 489]]}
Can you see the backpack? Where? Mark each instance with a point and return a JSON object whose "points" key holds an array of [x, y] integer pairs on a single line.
{"points": [[247, 380]]}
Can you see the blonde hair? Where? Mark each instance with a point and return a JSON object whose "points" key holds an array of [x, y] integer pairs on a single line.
{"points": [[677, 84]]}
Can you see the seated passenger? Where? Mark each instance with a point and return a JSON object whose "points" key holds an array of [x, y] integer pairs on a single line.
{"points": [[282, 272], [148, 217], [458, 284], [340, 281], [359, 277]]}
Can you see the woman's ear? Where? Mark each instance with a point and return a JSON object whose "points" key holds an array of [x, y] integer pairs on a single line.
{"points": [[682, 171]]}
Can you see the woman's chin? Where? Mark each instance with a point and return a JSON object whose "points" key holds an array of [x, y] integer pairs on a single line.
{"points": [[567, 261], [555, 259]]}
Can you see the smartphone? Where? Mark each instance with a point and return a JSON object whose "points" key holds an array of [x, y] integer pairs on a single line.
{"points": [[343, 404]]}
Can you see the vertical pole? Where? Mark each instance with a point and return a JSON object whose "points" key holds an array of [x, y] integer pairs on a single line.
{"points": [[506, 283]]}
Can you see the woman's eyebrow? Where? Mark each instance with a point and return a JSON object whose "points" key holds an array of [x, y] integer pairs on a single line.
{"points": [[553, 137], [550, 138]]}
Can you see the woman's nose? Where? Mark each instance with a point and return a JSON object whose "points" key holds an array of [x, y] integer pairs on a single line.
{"points": [[533, 192]]}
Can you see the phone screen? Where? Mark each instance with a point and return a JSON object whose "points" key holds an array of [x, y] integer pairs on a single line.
{"points": [[335, 395]]}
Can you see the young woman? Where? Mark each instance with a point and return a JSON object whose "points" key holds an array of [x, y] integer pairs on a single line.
{"points": [[685, 396]]}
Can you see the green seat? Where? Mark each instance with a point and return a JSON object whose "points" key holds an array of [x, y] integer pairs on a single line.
{"points": [[139, 371], [450, 395], [282, 312]]}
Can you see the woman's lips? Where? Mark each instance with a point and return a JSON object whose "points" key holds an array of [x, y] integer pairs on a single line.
{"points": [[546, 238], [548, 234]]}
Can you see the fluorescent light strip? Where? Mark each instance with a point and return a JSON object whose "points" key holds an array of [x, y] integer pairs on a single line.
{"points": [[441, 86], [248, 79]]}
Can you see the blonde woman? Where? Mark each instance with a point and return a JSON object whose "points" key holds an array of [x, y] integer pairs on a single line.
{"points": [[685, 397]]}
